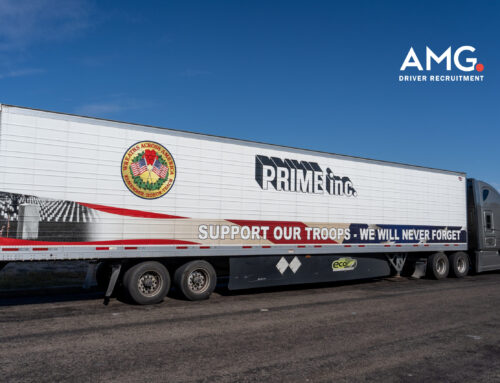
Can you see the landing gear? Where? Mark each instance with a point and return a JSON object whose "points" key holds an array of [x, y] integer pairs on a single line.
{"points": [[397, 261]]}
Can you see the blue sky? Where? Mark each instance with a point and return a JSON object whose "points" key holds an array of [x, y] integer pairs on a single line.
{"points": [[320, 75]]}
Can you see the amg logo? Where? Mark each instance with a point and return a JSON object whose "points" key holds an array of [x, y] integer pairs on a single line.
{"points": [[300, 177]]}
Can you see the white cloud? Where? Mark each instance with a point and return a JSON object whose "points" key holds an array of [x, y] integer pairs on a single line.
{"points": [[27, 22], [112, 105], [21, 72]]}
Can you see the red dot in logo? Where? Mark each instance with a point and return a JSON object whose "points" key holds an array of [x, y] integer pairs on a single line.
{"points": [[479, 67]]}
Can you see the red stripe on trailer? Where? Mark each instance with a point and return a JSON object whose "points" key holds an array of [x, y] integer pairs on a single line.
{"points": [[415, 245], [398, 245], [347, 245], [426, 245], [387, 245], [361, 245], [318, 246], [181, 247], [204, 247], [267, 247], [10, 249], [102, 248], [130, 247], [40, 249], [246, 247], [129, 212], [301, 246], [27, 242], [447, 244]]}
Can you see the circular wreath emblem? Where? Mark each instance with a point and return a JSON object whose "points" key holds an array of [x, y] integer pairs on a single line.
{"points": [[148, 169]]}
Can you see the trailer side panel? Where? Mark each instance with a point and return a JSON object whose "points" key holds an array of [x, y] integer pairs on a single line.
{"points": [[79, 188]]}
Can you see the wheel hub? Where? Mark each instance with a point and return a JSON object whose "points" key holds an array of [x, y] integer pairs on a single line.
{"points": [[149, 283], [441, 266], [198, 280], [461, 265]]}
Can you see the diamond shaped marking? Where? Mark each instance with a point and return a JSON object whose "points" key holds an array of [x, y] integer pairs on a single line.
{"points": [[282, 265], [295, 264]]}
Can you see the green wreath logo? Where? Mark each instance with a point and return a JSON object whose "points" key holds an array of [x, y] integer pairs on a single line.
{"points": [[148, 185], [148, 169]]}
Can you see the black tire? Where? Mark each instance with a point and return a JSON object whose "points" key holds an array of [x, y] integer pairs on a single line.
{"points": [[103, 275], [147, 283], [196, 280], [438, 266], [459, 264]]}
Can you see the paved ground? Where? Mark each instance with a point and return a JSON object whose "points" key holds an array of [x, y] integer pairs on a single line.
{"points": [[406, 330]]}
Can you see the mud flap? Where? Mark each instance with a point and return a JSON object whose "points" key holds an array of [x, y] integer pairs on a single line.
{"points": [[420, 269], [115, 272]]}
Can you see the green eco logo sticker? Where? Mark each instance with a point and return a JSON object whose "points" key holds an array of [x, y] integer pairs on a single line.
{"points": [[344, 264]]}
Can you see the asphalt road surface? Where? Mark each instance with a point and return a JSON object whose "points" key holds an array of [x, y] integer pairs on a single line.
{"points": [[385, 330]]}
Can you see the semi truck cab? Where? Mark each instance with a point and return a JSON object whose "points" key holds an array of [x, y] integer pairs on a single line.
{"points": [[483, 214]]}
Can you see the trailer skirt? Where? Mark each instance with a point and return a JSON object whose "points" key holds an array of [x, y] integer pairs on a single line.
{"points": [[252, 272]]}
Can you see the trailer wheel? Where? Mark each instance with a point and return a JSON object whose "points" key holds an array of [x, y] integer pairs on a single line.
{"points": [[459, 264], [147, 282], [196, 280], [438, 266]]}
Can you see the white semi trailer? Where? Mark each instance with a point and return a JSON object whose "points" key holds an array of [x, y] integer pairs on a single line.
{"points": [[153, 205]]}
